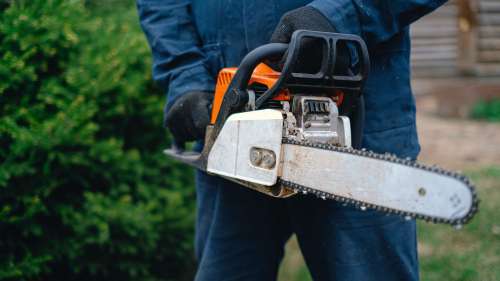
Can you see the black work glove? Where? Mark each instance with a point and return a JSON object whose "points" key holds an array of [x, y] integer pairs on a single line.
{"points": [[189, 116], [306, 17], [310, 53]]}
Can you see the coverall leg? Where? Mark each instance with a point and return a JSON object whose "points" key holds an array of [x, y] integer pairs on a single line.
{"points": [[241, 236]]}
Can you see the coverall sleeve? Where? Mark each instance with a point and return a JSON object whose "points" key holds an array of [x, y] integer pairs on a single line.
{"points": [[178, 61], [374, 20]]}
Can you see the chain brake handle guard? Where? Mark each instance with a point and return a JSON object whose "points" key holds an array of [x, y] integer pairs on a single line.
{"points": [[236, 95], [325, 79]]}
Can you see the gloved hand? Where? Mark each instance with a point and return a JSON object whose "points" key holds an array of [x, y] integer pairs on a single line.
{"points": [[310, 56], [306, 17], [189, 116]]}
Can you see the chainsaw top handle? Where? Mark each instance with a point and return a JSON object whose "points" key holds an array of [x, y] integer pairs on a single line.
{"points": [[336, 50], [323, 80]]}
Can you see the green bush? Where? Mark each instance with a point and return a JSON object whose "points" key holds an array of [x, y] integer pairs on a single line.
{"points": [[488, 110], [85, 193]]}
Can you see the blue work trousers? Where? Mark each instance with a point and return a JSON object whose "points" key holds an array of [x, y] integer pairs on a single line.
{"points": [[241, 234]]}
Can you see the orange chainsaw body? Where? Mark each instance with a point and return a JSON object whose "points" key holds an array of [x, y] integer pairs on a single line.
{"points": [[264, 75]]}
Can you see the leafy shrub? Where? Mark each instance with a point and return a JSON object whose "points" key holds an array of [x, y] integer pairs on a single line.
{"points": [[488, 110], [85, 193]]}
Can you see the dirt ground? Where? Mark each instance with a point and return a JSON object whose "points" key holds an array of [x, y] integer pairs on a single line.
{"points": [[455, 143]]}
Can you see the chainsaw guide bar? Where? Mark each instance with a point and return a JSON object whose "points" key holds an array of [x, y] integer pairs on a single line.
{"points": [[457, 222]]}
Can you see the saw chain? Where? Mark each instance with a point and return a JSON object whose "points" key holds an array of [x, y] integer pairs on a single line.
{"points": [[457, 223]]}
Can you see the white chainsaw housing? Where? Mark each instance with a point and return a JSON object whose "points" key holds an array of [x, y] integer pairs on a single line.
{"points": [[242, 133], [249, 146]]}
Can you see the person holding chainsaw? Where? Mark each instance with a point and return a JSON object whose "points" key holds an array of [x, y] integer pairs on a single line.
{"points": [[240, 234]]}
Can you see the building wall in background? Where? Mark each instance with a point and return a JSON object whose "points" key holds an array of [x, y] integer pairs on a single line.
{"points": [[462, 38]]}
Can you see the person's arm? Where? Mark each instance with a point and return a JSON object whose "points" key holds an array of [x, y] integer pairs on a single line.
{"points": [[178, 61], [374, 20]]}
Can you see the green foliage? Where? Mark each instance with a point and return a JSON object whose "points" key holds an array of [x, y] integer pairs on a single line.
{"points": [[85, 193], [473, 252], [488, 110]]}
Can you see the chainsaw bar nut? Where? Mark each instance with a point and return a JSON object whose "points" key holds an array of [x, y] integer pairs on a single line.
{"points": [[268, 159], [255, 156], [262, 158]]}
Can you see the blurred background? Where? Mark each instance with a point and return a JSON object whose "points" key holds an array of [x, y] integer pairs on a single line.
{"points": [[85, 193]]}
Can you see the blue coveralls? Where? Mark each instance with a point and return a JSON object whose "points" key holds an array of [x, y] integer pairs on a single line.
{"points": [[240, 233]]}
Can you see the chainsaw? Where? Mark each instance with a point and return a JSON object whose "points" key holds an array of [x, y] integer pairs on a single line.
{"points": [[299, 132]]}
